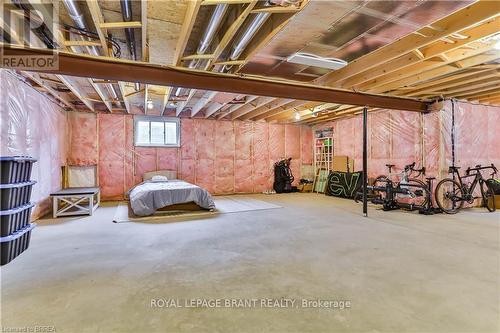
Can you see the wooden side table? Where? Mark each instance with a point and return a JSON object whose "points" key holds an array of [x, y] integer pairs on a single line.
{"points": [[75, 201]]}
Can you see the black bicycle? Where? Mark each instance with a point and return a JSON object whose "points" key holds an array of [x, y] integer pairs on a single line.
{"points": [[452, 193]]}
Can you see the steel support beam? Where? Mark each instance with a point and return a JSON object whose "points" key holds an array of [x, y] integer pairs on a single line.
{"points": [[123, 70]]}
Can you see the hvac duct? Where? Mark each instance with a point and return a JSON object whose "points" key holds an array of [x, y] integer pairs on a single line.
{"points": [[79, 21], [129, 32], [209, 34], [253, 27], [39, 28]]}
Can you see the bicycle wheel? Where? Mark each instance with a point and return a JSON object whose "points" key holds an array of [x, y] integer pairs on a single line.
{"points": [[488, 197], [419, 190], [449, 196]]}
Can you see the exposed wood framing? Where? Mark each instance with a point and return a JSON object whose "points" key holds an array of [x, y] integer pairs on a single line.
{"points": [[98, 20], [45, 84], [233, 108], [471, 15], [120, 25], [75, 92], [189, 19], [144, 30], [272, 106]]}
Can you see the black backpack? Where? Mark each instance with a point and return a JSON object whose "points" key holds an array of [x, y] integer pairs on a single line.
{"points": [[283, 177]]}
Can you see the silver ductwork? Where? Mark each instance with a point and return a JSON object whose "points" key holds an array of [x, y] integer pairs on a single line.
{"points": [[252, 29], [212, 28], [79, 21], [129, 32], [208, 36]]}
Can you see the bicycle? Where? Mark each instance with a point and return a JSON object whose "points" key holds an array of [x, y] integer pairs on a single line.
{"points": [[407, 187], [452, 194]]}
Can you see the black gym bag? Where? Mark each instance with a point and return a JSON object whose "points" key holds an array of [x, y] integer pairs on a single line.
{"points": [[283, 177]]}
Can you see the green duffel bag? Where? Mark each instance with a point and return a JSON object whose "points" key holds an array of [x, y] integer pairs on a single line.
{"points": [[494, 184]]}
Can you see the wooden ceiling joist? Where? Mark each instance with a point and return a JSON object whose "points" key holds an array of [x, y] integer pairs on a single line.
{"points": [[234, 108], [98, 20], [76, 92], [469, 16], [43, 83], [274, 105]]}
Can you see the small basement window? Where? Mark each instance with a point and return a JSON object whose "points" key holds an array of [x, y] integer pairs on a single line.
{"points": [[156, 131]]}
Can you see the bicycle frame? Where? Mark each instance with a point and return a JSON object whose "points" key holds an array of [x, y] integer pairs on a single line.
{"points": [[468, 190]]}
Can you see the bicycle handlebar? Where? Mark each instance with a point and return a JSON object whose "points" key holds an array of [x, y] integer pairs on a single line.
{"points": [[411, 167], [479, 167]]}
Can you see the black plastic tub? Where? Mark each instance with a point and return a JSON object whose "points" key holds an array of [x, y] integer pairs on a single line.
{"points": [[14, 219], [15, 195], [15, 244], [15, 169]]}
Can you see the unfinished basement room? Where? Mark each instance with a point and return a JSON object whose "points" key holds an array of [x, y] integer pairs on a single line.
{"points": [[250, 166]]}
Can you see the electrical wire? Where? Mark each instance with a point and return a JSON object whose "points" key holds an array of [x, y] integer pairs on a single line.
{"points": [[92, 35]]}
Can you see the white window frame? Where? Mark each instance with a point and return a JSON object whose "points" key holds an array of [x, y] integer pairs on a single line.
{"points": [[160, 120]]}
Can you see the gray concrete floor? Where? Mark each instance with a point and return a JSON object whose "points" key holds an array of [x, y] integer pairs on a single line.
{"points": [[402, 272]]}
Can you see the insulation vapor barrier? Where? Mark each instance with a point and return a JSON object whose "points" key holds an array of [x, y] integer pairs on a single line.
{"points": [[403, 137], [23, 110], [222, 156]]}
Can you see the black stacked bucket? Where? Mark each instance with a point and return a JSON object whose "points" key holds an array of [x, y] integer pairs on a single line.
{"points": [[15, 205]]}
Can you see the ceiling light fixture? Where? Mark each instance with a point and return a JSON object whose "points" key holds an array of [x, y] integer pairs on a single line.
{"points": [[316, 61], [297, 116], [150, 104]]}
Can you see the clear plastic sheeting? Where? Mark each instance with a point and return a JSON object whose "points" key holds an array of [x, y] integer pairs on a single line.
{"points": [[222, 156], [403, 137], [33, 125]]}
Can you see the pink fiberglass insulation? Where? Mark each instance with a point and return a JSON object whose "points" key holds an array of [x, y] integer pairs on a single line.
{"points": [[224, 176], [224, 162], [262, 176], [223, 156], [111, 155], [129, 158], [205, 174], [111, 136], [225, 141], [167, 158], [205, 139], [292, 142], [187, 171], [22, 111], [379, 146], [406, 131], [276, 142], [493, 130], [243, 140], [431, 144], [111, 179], [145, 161], [306, 142], [188, 146], [243, 166], [83, 131], [243, 176]]}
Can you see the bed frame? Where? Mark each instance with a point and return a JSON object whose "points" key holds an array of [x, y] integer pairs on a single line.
{"points": [[190, 206]]}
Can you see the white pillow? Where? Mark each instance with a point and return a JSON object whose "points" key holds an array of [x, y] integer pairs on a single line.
{"points": [[159, 179]]}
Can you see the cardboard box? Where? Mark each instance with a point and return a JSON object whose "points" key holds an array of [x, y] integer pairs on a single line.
{"points": [[497, 201], [305, 187], [340, 163]]}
